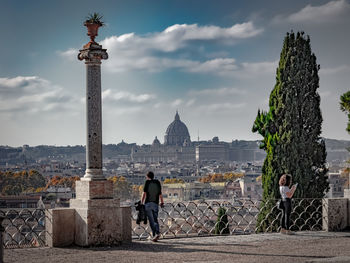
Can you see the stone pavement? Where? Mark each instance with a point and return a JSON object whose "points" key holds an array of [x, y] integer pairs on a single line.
{"points": [[300, 247]]}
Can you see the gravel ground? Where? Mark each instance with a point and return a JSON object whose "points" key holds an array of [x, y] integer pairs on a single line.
{"points": [[301, 247]]}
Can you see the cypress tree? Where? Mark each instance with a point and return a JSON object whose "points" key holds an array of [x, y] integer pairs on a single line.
{"points": [[291, 127], [221, 226], [345, 107]]}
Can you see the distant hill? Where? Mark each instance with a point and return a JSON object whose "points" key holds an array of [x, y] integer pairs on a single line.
{"points": [[333, 144], [336, 151]]}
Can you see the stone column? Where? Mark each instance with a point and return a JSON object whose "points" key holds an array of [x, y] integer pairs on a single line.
{"points": [[93, 54], [94, 218]]}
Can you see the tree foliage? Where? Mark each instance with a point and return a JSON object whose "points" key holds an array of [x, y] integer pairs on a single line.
{"points": [[62, 181], [345, 107], [217, 178], [221, 226], [173, 181], [124, 190], [291, 128], [15, 183]]}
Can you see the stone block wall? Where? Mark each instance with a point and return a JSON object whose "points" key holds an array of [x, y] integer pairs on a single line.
{"points": [[335, 214], [59, 227]]}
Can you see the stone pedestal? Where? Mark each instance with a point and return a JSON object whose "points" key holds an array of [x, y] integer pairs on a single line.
{"points": [[335, 214], [99, 222], [86, 189], [60, 227], [99, 219], [93, 219]]}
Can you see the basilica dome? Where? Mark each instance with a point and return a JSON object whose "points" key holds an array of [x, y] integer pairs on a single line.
{"points": [[176, 133]]}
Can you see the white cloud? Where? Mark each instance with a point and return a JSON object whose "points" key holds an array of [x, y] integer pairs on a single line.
{"points": [[122, 111], [108, 95], [152, 52], [31, 94], [190, 102], [217, 108], [70, 53], [336, 70], [253, 70], [225, 91], [218, 65], [184, 32], [329, 12], [176, 102]]}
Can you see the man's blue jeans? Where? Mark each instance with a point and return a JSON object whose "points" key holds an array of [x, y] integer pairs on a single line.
{"points": [[152, 215]]}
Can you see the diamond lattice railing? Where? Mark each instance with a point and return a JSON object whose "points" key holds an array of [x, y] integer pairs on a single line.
{"points": [[23, 227], [26, 227], [240, 216]]}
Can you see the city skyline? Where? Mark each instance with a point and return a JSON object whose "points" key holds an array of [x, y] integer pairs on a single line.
{"points": [[215, 63]]}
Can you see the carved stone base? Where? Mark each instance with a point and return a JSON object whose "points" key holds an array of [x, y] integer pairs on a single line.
{"points": [[93, 219], [101, 222], [86, 189], [335, 214]]}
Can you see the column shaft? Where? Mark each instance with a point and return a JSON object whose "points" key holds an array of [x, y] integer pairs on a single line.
{"points": [[93, 121]]}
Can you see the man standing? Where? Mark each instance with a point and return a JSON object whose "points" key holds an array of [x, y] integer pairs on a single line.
{"points": [[152, 192]]}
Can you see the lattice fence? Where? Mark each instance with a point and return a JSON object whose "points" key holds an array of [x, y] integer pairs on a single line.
{"points": [[26, 227], [185, 219]]}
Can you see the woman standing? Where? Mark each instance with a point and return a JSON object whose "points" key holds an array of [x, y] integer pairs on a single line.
{"points": [[286, 195]]}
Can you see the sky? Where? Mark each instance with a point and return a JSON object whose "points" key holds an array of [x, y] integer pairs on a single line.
{"points": [[213, 61]]}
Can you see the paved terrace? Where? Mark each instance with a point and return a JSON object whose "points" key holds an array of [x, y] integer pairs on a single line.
{"points": [[300, 247]]}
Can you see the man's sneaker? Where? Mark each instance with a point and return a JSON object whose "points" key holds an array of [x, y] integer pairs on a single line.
{"points": [[155, 239], [283, 231], [150, 238]]}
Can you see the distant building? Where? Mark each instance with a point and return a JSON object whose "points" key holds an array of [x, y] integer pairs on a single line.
{"points": [[243, 187], [19, 201], [250, 187], [177, 133], [233, 190], [64, 193], [336, 185], [211, 152], [177, 146]]}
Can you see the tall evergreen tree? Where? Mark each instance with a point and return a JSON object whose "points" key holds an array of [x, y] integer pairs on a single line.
{"points": [[291, 128], [345, 106]]}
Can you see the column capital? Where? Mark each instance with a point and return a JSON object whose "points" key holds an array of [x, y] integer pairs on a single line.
{"points": [[92, 53]]}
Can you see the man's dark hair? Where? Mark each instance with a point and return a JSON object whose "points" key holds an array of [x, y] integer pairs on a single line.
{"points": [[150, 175]]}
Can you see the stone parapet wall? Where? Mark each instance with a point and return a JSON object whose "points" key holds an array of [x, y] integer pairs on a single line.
{"points": [[336, 214]]}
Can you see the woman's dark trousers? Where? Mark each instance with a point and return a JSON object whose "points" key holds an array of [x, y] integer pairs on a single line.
{"points": [[287, 209]]}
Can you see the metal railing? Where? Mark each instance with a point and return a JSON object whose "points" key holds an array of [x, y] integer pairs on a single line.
{"points": [[26, 227], [23, 227], [240, 216]]}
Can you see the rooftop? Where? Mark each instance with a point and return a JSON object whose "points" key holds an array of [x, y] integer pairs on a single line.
{"points": [[300, 247]]}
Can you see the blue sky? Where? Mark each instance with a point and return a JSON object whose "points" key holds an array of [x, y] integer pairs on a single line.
{"points": [[213, 61]]}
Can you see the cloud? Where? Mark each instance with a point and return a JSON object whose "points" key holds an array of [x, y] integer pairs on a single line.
{"points": [[329, 12], [218, 65], [336, 70], [30, 95], [154, 52], [256, 69], [225, 91], [70, 53], [220, 108], [176, 103], [110, 96]]}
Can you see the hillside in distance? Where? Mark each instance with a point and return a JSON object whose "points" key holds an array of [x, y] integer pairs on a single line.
{"points": [[336, 151]]}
